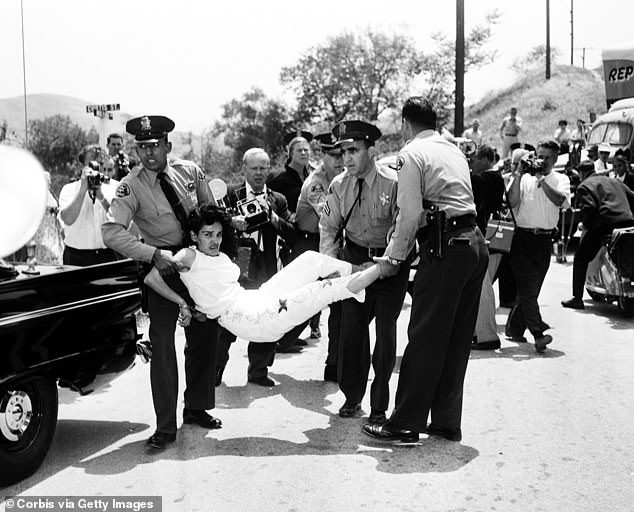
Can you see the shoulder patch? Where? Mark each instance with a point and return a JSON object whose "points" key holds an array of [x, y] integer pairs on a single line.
{"points": [[123, 190], [201, 175], [318, 187], [327, 208], [400, 162]]}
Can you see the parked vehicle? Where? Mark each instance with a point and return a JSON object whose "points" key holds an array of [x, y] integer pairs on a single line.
{"points": [[69, 325], [610, 275]]}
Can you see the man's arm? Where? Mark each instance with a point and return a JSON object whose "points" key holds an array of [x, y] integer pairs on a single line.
{"points": [[514, 193], [330, 221], [70, 205]]}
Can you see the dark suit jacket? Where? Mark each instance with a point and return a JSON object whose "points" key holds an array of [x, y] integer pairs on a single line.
{"points": [[286, 229]]}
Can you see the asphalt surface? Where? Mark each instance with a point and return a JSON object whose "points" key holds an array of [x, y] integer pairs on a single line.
{"points": [[541, 432]]}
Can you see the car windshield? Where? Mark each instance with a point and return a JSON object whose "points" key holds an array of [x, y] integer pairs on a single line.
{"points": [[614, 133]]}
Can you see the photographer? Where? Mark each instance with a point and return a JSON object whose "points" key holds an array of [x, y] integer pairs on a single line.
{"points": [[83, 207], [536, 195], [115, 150]]}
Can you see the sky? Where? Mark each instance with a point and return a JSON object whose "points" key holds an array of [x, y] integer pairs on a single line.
{"points": [[186, 58]]}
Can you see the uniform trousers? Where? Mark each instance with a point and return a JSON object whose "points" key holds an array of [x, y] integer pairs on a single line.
{"points": [[383, 302], [442, 322], [200, 362], [530, 259]]}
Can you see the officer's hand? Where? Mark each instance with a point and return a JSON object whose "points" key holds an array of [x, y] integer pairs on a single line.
{"points": [[239, 222], [164, 262], [386, 269], [184, 316]]}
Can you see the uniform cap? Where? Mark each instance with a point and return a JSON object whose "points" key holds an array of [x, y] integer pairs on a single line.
{"points": [[348, 131], [149, 128], [327, 140], [297, 133]]}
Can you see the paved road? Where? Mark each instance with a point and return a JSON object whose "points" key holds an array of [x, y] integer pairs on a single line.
{"points": [[541, 433]]}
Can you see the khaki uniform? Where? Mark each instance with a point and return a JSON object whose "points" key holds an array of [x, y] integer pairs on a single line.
{"points": [[365, 236], [139, 197]]}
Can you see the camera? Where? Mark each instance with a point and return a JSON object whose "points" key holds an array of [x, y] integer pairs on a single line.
{"points": [[532, 164], [95, 177], [253, 213]]}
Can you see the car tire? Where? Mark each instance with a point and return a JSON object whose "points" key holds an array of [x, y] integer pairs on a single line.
{"points": [[28, 417]]}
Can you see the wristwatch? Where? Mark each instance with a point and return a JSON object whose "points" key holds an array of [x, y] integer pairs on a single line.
{"points": [[394, 262]]}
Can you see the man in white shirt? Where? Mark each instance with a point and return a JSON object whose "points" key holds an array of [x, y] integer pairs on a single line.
{"points": [[536, 195], [474, 133], [83, 207], [509, 131]]}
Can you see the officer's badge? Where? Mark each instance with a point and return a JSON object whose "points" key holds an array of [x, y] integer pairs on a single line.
{"points": [[384, 198], [123, 190], [327, 208], [400, 162], [146, 126], [342, 129], [191, 186]]}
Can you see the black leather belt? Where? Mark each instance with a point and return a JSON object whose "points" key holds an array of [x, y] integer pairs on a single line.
{"points": [[370, 251], [537, 231], [308, 236], [458, 222], [96, 252]]}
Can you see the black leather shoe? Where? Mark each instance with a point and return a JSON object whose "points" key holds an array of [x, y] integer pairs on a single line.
{"points": [[390, 433], [485, 345], [330, 373], [573, 303], [315, 333], [263, 381], [349, 410], [159, 441], [517, 338], [377, 418], [450, 434], [201, 418], [542, 341], [300, 343], [293, 349]]}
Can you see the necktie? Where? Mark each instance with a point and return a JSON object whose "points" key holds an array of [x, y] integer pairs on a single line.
{"points": [[360, 182], [174, 201]]}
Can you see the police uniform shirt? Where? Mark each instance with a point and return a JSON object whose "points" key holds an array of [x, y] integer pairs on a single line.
{"points": [[139, 197], [434, 169], [370, 221], [311, 202], [85, 232], [535, 210]]}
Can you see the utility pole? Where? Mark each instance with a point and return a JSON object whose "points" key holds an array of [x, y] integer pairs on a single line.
{"points": [[459, 101], [572, 32], [26, 117], [547, 39]]}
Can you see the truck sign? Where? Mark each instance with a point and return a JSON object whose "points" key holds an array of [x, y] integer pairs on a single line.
{"points": [[618, 71]]}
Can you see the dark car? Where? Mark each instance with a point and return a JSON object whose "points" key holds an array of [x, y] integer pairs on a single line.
{"points": [[68, 326]]}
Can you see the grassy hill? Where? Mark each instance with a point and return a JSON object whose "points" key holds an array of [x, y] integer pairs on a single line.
{"points": [[572, 93]]}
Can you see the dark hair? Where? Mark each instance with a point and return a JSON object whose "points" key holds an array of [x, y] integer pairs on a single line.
{"points": [[563, 121], [87, 149], [550, 145], [486, 152], [420, 111], [207, 214], [114, 136], [585, 166], [622, 153]]}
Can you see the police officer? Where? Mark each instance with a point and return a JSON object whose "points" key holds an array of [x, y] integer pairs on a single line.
{"points": [[360, 210], [158, 196], [311, 202], [434, 176]]}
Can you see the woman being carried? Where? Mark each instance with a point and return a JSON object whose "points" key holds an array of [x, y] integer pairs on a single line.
{"points": [[290, 297]]}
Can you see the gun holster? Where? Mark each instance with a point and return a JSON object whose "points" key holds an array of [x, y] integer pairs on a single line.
{"points": [[436, 225]]}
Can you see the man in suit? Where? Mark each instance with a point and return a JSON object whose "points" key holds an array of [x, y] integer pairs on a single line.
{"points": [[261, 233]]}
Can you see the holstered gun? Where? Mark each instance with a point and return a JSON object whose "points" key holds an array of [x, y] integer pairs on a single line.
{"points": [[435, 225]]}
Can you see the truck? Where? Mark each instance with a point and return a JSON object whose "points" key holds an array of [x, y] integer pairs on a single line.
{"points": [[616, 126]]}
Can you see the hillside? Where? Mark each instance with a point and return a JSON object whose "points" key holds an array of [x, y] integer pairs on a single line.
{"points": [[41, 106], [572, 93]]}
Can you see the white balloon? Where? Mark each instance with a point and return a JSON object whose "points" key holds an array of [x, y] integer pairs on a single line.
{"points": [[23, 195]]}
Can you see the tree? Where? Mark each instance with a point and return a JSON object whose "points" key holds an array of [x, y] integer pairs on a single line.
{"points": [[56, 142], [534, 59], [365, 75], [353, 76], [254, 121], [438, 67]]}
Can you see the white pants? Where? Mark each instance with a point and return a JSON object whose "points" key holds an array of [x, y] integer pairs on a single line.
{"points": [[290, 297]]}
